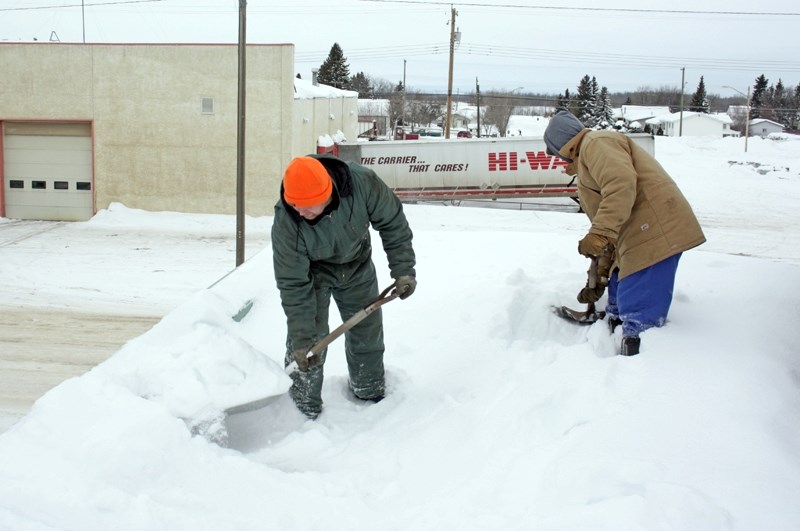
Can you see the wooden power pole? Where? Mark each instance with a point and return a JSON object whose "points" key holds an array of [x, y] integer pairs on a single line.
{"points": [[450, 72], [240, 135]]}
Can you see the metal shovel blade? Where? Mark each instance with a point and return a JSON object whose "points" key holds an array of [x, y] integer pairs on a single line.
{"points": [[590, 316]]}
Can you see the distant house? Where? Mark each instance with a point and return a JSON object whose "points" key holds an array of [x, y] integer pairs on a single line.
{"points": [[629, 114], [763, 127], [693, 124], [464, 117]]}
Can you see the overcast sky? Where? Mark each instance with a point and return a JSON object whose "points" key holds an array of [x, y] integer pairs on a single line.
{"points": [[506, 45]]}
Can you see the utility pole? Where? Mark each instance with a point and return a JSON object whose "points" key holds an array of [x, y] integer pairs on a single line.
{"points": [[83, 22], [747, 114], [747, 121], [404, 94], [478, 99], [240, 135], [450, 72], [683, 73]]}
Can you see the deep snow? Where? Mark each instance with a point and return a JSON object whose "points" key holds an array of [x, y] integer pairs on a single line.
{"points": [[499, 415]]}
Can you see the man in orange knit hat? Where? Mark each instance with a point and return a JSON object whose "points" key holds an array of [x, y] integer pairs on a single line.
{"points": [[321, 248]]}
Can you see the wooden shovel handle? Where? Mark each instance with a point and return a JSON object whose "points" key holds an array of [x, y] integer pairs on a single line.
{"points": [[359, 316]]}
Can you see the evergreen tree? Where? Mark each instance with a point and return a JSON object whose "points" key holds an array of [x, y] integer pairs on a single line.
{"points": [[796, 107], [334, 71], [780, 103], [563, 101], [596, 105], [584, 101], [361, 84], [298, 76], [699, 101], [757, 98], [605, 114]]}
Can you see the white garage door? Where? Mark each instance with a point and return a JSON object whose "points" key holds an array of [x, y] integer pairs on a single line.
{"points": [[48, 171]]}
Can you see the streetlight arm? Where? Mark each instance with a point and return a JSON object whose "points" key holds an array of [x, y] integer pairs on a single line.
{"points": [[747, 115]]}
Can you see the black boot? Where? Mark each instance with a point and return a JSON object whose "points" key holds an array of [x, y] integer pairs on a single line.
{"points": [[613, 323], [630, 346]]}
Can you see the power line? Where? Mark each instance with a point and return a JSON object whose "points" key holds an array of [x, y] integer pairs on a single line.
{"points": [[607, 9], [537, 54], [96, 4]]}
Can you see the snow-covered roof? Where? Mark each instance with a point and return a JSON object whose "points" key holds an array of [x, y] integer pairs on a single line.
{"points": [[676, 116], [631, 113], [307, 90], [756, 121]]}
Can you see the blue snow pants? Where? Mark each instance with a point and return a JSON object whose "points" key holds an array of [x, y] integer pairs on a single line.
{"points": [[642, 300]]}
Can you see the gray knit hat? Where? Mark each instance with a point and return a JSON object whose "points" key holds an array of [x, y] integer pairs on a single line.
{"points": [[562, 128]]}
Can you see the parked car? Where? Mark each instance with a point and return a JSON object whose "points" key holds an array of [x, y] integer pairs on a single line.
{"points": [[464, 134]]}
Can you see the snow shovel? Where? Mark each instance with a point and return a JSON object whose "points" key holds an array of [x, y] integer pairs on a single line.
{"points": [[318, 347], [591, 315]]}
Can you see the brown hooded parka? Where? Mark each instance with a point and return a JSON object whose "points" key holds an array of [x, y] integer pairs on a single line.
{"points": [[631, 200]]}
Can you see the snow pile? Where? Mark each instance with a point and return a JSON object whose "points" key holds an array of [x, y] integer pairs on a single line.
{"points": [[195, 363], [499, 415]]}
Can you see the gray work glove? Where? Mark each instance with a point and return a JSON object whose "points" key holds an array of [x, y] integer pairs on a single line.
{"points": [[305, 362], [405, 286]]}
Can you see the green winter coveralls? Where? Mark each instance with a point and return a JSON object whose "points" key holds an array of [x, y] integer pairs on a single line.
{"points": [[332, 255]]}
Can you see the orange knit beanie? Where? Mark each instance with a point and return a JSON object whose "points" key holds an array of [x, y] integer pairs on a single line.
{"points": [[306, 183]]}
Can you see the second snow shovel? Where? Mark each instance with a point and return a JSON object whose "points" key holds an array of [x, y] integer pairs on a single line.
{"points": [[591, 315]]}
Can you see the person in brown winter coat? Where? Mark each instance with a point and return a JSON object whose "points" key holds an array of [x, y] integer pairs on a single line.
{"points": [[639, 217]]}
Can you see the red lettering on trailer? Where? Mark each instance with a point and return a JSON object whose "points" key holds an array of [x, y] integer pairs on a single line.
{"points": [[503, 161], [539, 160]]}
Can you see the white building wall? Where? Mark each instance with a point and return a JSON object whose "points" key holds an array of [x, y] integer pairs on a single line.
{"points": [[702, 126], [315, 117], [153, 146], [764, 128], [693, 125]]}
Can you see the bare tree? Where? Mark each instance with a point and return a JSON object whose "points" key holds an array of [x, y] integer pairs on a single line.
{"points": [[396, 111], [499, 108], [663, 96], [381, 88], [422, 110]]}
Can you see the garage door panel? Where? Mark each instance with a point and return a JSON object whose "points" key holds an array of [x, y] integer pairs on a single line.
{"points": [[49, 156], [51, 214], [47, 171], [47, 142], [48, 177]]}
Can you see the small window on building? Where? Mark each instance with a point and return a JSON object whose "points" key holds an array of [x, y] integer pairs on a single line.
{"points": [[83, 186], [207, 105], [61, 185], [16, 184], [39, 185]]}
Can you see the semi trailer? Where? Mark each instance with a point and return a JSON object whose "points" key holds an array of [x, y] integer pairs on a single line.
{"points": [[462, 169]]}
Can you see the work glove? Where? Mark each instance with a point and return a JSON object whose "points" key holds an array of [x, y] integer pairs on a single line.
{"points": [[590, 295], [305, 362], [593, 245], [604, 264], [405, 286]]}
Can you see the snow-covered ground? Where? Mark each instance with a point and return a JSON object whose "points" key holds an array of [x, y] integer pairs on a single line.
{"points": [[499, 415]]}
